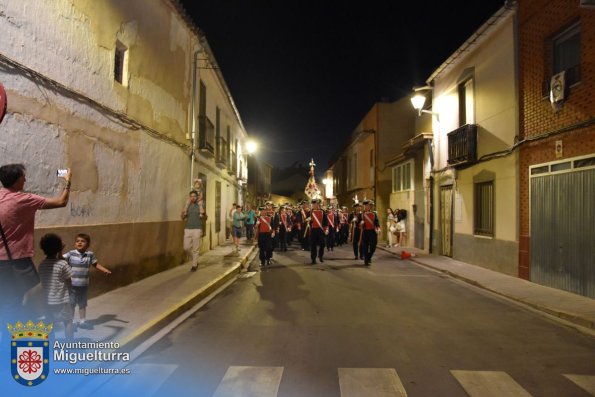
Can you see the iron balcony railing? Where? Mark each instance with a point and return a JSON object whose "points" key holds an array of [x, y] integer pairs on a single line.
{"points": [[462, 145], [206, 132], [221, 152]]}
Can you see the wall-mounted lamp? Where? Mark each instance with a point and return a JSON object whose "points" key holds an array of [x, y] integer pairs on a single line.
{"points": [[251, 147], [419, 99]]}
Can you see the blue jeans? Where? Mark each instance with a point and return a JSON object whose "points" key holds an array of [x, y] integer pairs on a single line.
{"points": [[249, 231]]}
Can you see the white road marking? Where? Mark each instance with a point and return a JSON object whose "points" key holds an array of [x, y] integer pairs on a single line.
{"points": [[367, 382], [586, 382], [489, 384], [250, 382]]}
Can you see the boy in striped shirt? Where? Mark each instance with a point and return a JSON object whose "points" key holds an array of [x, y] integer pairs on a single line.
{"points": [[80, 260], [55, 275]]}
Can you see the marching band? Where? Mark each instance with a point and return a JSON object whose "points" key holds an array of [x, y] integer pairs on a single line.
{"points": [[316, 228]]}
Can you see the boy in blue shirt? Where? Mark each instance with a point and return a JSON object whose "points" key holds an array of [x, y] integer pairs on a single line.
{"points": [[80, 260]]}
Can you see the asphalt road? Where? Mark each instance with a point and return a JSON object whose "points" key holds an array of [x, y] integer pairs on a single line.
{"points": [[341, 329]]}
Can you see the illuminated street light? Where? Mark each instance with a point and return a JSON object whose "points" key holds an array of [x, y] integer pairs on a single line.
{"points": [[251, 147], [419, 99]]}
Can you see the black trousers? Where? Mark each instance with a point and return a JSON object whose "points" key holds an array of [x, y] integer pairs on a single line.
{"points": [[331, 238], [317, 238], [356, 247], [369, 241], [282, 239], [265, 247]]}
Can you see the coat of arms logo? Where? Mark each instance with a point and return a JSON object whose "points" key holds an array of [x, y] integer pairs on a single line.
{"points": [[29, 352]]}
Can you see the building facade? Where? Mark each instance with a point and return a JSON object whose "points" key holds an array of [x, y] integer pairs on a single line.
{"points": [[127, 95], [475, 165], [557, 152], [365, 166]]}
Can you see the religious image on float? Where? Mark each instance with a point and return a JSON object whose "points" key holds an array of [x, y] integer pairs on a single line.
{"points": [[312, 190]]}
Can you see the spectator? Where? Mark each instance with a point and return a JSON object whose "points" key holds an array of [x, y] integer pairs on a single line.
{"points": [[238, 217], [249, 222], [56, 280], [391, 227], [17, 221], [194, 215], [229, 221], [80, 260]]}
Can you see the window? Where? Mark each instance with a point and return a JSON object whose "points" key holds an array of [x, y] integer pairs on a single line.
{"points": [[402, 177], [566, 49], [217, 207], [563, 53], [466, 103], [121, 64], [484, 209]]}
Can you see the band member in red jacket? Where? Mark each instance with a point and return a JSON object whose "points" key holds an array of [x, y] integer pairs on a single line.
{"points": [[370, 227], [318, 231], [284, 228], [266, 225]]}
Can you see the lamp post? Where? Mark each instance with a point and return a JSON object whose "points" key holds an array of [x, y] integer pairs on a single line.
{"points": [[418, 101]]}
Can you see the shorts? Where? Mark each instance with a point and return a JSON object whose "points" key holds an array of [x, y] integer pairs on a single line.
{"points": [[78, 296], [59, 313], [237, 231]]}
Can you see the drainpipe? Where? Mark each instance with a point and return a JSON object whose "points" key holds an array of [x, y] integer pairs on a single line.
{"points": [[195, 75]]}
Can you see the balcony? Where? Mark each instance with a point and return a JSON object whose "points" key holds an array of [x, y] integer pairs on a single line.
{"points": [[221, 153], [206, 133], [462, 146], [233, 167]]}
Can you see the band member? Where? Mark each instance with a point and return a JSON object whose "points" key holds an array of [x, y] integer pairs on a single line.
{"points": [[284, 228], [305, 212], [332, 228], [370, 227], [318, 231], [265, 230], [275, 209], [355, 232], [343, 226]]}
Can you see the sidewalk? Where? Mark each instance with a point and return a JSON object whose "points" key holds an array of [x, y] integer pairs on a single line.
{"points": [[130, 314], [577, 309]]}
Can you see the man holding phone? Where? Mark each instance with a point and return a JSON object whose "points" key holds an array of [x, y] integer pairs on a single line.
{"points": [[17, 222]]}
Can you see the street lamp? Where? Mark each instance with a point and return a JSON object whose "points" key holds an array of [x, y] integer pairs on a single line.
{"points": [[251, 147], [418, 100]]}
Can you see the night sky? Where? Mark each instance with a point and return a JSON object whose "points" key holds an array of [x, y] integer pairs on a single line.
{"points": [[304, 73]]}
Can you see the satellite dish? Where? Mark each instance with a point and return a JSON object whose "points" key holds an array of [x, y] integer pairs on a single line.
{"points": [[3, 102]]}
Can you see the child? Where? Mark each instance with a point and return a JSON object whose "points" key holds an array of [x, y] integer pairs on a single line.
{"points": [[55, 275], [80, 259]]}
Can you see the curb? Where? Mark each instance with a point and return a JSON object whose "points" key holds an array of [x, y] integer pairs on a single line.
{"points": [[571, 318], [168, 315]]}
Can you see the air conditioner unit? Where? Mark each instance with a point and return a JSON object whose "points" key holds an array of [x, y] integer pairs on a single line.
{"points": [[587, 3]]}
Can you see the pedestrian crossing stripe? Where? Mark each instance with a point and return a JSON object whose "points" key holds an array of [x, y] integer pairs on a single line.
{"points": [[365, 382], [489, 384], [250, 382], [585, 382]]}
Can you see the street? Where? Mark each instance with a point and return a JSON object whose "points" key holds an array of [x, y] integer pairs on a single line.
{"points": [[341, 329]]}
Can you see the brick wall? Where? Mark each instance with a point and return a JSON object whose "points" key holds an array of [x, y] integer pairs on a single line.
{"points": [[539, 21]]}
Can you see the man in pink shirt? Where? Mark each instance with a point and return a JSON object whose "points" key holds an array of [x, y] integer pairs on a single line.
{"points": [[17, 221]]}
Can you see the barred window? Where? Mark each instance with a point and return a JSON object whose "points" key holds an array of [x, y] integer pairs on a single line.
{"points": [[484, 209]]}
